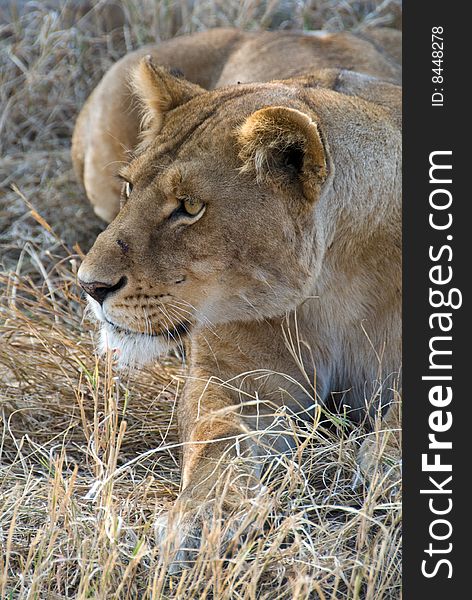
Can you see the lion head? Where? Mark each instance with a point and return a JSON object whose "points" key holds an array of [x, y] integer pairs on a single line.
{"points": [[229, 205]]}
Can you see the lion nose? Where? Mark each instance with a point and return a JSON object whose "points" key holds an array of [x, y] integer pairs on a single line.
{"points": [[99, 290]]}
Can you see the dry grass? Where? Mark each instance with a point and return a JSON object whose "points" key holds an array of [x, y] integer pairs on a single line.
{"points": [[87, 455]]}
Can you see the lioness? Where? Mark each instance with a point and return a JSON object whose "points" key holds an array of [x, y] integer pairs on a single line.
{"points": [[109, 123], [260, 226]]}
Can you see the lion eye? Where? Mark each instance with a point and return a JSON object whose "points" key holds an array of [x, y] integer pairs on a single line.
{"points": [[192, 206]]}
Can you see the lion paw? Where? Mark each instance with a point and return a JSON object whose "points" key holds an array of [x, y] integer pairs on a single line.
{"points": [[180, 533]]}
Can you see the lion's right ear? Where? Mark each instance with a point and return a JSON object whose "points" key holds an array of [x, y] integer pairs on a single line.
{"points": [[159, 91]]}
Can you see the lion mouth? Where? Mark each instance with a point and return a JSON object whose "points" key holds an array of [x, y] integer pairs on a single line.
{"points": [[137, 349], [176, 333], [133, 348]]}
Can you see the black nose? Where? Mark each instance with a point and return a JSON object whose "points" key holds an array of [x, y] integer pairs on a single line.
{"points": [[100, 290]]}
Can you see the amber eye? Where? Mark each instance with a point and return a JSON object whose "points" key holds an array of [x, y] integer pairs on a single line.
{"points": [[192, 206]]}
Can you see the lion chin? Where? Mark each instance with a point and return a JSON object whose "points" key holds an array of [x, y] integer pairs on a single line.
{"points": [[130, 349]]}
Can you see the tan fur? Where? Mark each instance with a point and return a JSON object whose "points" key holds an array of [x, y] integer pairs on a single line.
{"points": [[289, 279], [270, 132], [155, 96], [108, 125]]}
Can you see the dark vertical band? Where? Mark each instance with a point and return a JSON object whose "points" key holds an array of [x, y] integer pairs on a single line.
{"points": [[437, 257]]}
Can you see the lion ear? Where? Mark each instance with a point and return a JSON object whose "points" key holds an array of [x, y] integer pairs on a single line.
{"points": [[284, 145], [159, 91]]}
